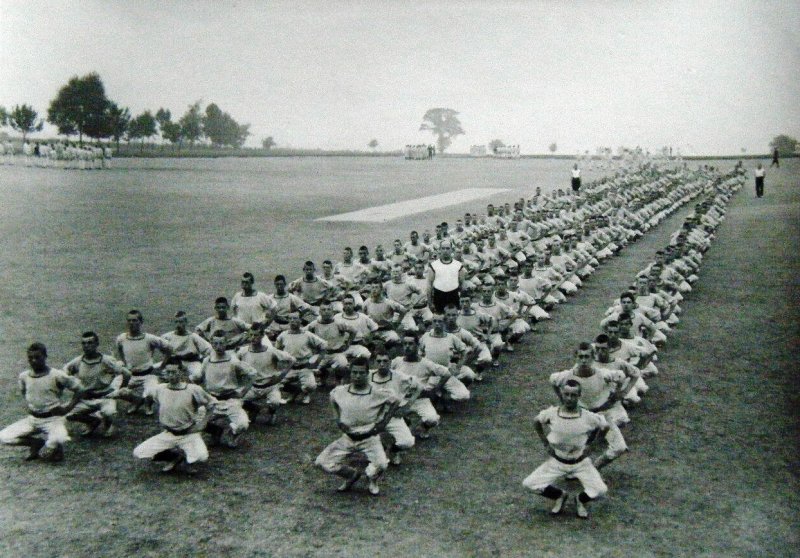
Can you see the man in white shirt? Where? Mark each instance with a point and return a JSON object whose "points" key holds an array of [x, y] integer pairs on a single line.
{"points": [[567, 440]]}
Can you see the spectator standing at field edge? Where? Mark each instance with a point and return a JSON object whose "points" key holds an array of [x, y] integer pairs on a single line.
{"points": [[759, 174]]}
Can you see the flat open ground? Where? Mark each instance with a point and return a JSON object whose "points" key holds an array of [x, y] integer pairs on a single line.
{"points": [[713, 469]]}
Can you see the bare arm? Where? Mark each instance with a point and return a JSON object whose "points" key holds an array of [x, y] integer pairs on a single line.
{"points": [[539, 427]]}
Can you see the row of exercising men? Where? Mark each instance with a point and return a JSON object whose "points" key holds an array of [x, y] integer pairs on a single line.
{"points": [[136, 350], [592, 393]]}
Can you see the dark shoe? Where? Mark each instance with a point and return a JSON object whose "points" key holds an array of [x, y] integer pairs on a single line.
{"points": [[36, 445], [348, 484]]}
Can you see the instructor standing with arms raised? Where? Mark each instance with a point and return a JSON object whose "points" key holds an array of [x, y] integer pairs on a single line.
{"points": [[445, 278]]}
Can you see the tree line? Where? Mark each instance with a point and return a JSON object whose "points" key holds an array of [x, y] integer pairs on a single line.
{"points": [[81, 108]]}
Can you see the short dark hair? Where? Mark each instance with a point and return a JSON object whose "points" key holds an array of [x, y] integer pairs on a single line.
{"points": [[249, 276], [221, 300], [572, 383], [38, 347], [91, 334], [360, 361], [174, 360]]}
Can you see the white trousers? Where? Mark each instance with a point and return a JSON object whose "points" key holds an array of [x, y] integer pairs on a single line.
{"points": [[552, 470]]}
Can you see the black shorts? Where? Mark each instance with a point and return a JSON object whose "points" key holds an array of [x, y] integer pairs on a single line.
{"points": [[576, 184], [444, 298]]}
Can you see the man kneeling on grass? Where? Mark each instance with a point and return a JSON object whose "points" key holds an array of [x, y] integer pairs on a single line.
{"points": [[44, 430], [362, 413], [571, 430], [182, 411]]}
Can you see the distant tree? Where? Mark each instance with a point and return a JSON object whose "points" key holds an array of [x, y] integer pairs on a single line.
{"points": [[373, 144], [553, 147], [268, 143], [22, 118], [142, 127], [171, 131], [443, 123], [494, 144], [80, 107], [191, 124], [116, 122], [163, 115], [221, 128], [786, 145], [244, 131], [3, 116]]}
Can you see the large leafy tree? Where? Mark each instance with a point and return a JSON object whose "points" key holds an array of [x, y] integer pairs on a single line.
{"points": [[221, 129], [23, 119], [117, 121], [191, 124], [162, 117], [142, 127], [786, 145], [444, 124], [170, 131], [80, 107]]}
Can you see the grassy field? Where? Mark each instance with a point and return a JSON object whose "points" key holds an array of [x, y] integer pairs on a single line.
{"points": [[713, 469]]}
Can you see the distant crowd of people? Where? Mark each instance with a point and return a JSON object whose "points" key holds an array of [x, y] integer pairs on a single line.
{"points": [[63, 155], [420, 151], [398, 336]]}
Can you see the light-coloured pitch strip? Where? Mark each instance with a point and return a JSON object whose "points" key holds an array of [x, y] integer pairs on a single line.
{"points": [[382, 213]]}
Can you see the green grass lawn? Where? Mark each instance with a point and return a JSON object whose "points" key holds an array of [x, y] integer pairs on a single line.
{"points": [[713, 467]]}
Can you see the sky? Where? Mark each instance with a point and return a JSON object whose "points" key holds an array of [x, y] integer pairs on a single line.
{"points": [[705, 77]]}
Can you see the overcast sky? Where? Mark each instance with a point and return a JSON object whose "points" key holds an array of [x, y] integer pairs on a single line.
{"points": [[706, 77]]}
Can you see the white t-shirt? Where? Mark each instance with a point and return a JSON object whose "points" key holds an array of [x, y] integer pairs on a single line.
{"points": [[568, 434], [445, 276]]}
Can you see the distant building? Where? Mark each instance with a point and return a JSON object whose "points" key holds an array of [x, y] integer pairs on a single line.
{"points": [[477, 151], [506, 152]]}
